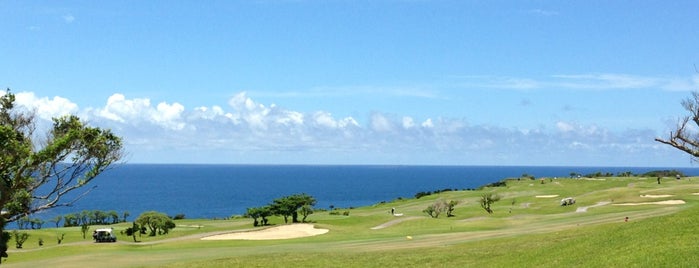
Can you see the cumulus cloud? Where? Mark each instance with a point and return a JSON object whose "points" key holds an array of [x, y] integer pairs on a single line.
{"points": [[44, 107], [246, 127]]}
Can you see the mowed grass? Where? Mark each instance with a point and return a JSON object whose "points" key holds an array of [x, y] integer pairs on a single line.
{"points": [[528, 229]]}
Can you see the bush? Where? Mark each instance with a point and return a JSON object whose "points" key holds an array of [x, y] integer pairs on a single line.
{"points": [[20, 238]]}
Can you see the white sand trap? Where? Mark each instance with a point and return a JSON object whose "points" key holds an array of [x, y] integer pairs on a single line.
{"points": [[656, 195], [666, 202], [547, 196], [278, 232], [695, 193]]}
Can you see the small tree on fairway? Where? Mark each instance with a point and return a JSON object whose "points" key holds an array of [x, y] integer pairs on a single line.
{"points": [[20, 238], [253, 213], [289, 206], [157, 223], [59, 238], [84, 228], [133, 230], [450, 207], [487, 200], [436, 209]]}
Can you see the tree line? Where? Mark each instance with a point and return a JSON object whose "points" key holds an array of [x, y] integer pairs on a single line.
{"points": [[288, 207]]}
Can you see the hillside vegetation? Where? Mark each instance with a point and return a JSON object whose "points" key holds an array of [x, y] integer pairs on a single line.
{"points": [[616, 221]]}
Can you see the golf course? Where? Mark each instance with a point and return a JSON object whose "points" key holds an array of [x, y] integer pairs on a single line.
{"points": [[614, 222]]}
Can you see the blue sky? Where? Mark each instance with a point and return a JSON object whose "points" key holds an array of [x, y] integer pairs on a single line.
{"points": [[362, 82]]}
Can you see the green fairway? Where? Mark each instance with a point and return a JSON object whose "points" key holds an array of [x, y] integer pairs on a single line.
{"points": [[529, 228]]}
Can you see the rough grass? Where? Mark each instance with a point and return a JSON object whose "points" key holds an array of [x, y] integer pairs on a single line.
{"points": [[523, 231]]}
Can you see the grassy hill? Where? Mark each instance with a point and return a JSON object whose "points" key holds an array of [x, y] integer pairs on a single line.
{"points": [[528, 228]]}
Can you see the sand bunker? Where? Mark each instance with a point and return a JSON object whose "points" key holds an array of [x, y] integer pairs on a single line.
{"points": [[547, 196], [656, 195], [279, 232], [666, 202]]}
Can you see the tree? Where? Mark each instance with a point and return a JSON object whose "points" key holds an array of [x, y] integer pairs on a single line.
{"points": [[56, 220], [114, 216], [253, 213], [305, 210], [70, 157], [157, 222], [20, 238], [434, 210], [84, 228], [450, 207], [289, 206], [487, 200], [125, 215], [133, 230], [683, 138]]}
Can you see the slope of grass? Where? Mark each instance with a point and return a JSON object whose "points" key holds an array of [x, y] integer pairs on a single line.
{"points": [[525, 230]]}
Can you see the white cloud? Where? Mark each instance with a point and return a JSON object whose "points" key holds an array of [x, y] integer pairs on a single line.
{"points": [[408, 122], [380, 123], [603, 81], [68, 18], [46, 108], [247, 126]]}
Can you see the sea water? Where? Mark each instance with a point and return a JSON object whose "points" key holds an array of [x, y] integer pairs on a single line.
{"points": [[220, 191]]}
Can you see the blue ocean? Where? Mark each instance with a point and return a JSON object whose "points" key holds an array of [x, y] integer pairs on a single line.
{"points": [[220, 191]]}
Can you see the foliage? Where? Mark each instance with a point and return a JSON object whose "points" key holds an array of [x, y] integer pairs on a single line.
{"points": [[157, 222], [663, 173], [418, 195], [179, 216], [20, 238], [59, 238], [288, 206], [487, 200], [70, 157], [133, 230], [84, 228], [305, 210], [450, 207]]}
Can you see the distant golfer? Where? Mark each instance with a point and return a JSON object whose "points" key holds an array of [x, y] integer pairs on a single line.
{"points": [[393, 211]]}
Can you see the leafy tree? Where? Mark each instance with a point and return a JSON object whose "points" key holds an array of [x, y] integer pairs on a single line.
{"points": [[133, 230], [259, 213], [289, 206], [20, 238], [59, 238], [69, 158], [305, 210], [685, 137], [84, 228], [283, 206], [487, 200], [253, 213], [157, 222], [56, 220], [434, 210], [114, 216], [125, 215], [450, 207]]}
